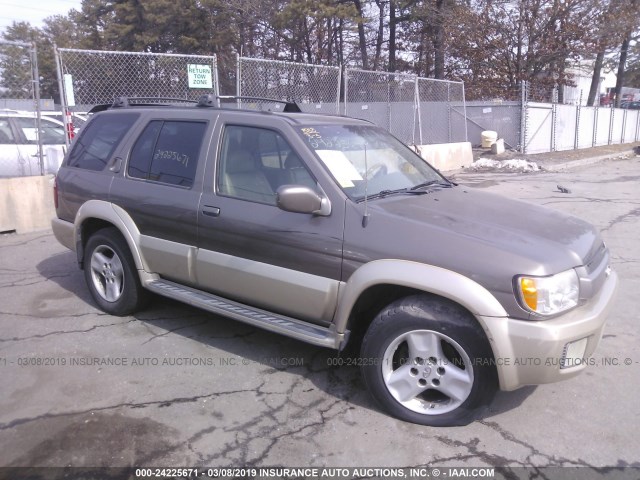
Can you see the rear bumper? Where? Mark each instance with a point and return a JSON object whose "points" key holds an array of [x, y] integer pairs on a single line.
{"points": [[64, 232], [531, 353]]}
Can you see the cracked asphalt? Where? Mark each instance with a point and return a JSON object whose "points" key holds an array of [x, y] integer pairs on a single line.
{"points": [[174, 386]]}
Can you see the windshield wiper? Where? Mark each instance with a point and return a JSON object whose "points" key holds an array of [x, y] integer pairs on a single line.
{"points": [[386, 193], [431, 183]]}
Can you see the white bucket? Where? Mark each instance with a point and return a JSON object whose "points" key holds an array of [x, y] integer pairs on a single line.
{"points": [[488, 137]]}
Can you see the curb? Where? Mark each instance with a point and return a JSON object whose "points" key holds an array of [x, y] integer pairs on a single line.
{"points": [[558, 167]]}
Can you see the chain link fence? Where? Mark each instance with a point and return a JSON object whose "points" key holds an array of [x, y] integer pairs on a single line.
{"points": [[21, 151], [90, 77], [16, 60], [387, 99], [531, 118], [316, 88], [410, 107]]}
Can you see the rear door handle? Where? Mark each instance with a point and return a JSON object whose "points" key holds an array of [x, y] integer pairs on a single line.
{"points": [[210, 211]]}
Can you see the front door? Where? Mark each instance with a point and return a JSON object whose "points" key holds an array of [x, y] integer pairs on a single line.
{"points": [[254, 252]]}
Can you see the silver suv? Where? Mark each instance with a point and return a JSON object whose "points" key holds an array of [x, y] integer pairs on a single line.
{"points": [[329, 230]]}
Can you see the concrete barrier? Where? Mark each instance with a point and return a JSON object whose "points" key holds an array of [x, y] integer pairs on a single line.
{"points": [[446, 156], [26, 203]]}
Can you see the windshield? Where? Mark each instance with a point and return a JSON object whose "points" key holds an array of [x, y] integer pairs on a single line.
{"points": [[355, 153]]}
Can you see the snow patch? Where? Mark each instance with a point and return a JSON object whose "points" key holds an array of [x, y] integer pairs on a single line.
{"points": [[513, 165]]}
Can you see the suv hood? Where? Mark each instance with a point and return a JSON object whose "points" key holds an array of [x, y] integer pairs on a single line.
{"points": [[487, 237], [542, 234]]}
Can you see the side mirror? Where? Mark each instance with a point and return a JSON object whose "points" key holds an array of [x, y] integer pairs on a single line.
{"points": [[301, 199]]}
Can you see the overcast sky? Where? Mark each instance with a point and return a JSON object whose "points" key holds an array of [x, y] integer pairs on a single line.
{"points": [[33, 11]]}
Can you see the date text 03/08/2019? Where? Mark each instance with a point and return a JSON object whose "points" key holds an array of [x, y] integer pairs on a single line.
{"points": [[314, 472]]}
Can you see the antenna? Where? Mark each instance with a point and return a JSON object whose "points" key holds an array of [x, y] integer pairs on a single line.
{"points": [[365, 218]]}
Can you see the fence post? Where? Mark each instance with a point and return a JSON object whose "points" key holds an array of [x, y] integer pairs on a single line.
{"points": [[523, 116], [624, 124], [594, 136], [464, 110], [238, 80], [419, 109], [576, 140], [216, 78], [389, 77], [611, 117], [637, 126], [35, 78], [448, 112], [554, 117], [416, 111], [63, 96], [345, 99], [338, 91]]}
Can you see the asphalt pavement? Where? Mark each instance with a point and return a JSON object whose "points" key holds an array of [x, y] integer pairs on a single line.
{"points": [[175, 386]]}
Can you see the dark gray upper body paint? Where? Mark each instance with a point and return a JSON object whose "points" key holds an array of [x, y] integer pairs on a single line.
{"points": [[486, 237]]}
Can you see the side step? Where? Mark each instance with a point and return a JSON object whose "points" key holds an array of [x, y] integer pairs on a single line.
{"points": [[291, 327]]}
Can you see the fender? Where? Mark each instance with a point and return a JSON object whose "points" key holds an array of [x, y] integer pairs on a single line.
{"points": [[429, 278], [115, 215]]}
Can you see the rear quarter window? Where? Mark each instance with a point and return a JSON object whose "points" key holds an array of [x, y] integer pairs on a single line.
{"points": [[95, 146]]}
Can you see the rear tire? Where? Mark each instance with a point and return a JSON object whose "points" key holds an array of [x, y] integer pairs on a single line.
{"points": [[111, 274], [426, 360]]}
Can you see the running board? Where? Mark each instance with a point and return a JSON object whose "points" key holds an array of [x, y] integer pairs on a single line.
{"points": [[291, 327]]}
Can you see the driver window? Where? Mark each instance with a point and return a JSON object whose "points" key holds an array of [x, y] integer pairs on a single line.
{"points": [[255, 162]]}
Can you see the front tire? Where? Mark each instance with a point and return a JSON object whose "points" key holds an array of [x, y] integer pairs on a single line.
{"points": [[111, 275], [426, 360]]}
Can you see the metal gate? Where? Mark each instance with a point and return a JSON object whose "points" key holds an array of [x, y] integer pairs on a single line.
{"points": [[414, 109], [442, 111]]}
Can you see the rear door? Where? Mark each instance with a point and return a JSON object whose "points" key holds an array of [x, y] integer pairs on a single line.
{"points": [[160, 188]]}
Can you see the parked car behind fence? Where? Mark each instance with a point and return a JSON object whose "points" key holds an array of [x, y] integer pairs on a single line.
{"points": [[19, 144]]}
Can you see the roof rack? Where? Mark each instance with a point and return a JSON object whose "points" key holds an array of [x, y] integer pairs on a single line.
{"points": [[124, 102], [290, 107], [207, 101], [210, 101]]}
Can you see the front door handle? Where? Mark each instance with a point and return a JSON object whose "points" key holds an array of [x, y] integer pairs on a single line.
{"points": [[210, 211]]}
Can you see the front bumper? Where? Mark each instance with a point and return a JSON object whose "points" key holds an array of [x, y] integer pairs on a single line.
{"points": [[531, 352]]}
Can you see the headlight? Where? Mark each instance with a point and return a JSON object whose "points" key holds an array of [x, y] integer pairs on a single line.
{"points": [[549, 295]]}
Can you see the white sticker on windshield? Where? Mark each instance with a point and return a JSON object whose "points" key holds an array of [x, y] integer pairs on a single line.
{"points": [[31, 134], [340, 166]]}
